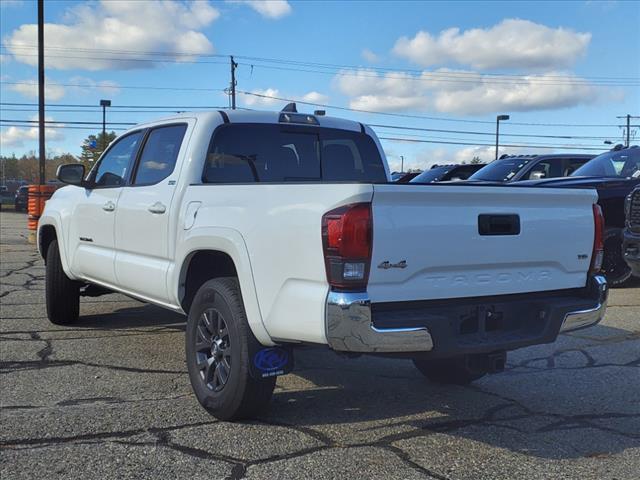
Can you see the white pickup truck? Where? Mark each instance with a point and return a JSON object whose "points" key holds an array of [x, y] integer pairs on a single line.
{"points": [[271, 230]]}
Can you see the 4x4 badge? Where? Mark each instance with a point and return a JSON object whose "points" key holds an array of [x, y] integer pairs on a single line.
{"points": [[386, 265]]}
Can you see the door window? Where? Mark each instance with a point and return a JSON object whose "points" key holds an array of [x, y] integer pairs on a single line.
{"points": [[113, 167], [159, 154]]}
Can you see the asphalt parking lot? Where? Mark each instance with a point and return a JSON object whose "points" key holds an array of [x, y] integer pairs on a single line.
{"points": [[109, 397]]}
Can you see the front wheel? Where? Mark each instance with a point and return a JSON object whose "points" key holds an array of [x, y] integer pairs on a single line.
{"points": [[62, 294], [448, 371], [218, 345]]}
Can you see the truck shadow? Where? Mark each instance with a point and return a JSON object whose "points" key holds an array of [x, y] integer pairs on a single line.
{"points": [[572, 399], [138, 316], [572, 408]]}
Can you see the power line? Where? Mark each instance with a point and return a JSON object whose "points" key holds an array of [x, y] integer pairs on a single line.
{"points": [[134, 87], [86, 105], [339, 68], [417, 71], [469, 132], [532, 144], [552, 147], [420, 117], [563, 147], [479, 78], [58, 122], [72, 127]]}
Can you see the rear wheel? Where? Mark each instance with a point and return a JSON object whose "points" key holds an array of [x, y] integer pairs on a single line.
{"points": [[447, 371], [218, 345], [62, 294], [614, 267]]}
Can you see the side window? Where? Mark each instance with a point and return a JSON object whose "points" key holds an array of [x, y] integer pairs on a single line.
{"points": [[113, 167], [262, 153], [540, 170], [350, 156], [570, 165], [159, 154]]}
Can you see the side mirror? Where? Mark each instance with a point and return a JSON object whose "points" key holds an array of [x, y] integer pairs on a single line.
{"points": [[537, 175], [72, 174]]}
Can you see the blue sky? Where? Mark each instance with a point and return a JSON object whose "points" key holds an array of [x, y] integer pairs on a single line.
{"points": [[457, 63]]}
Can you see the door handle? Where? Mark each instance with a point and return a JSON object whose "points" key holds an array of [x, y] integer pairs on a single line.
{"points": [[109, 207], [157, 208]]}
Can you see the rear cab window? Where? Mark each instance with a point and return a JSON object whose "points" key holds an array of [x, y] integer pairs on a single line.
{"points": [[276, 153]]}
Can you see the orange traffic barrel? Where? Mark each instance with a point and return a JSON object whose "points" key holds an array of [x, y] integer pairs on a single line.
{"points": [[38, 195]]}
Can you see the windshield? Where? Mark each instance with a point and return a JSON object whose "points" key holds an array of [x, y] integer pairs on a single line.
{"points": [[501, 170], [620, 164], [432, 175]]}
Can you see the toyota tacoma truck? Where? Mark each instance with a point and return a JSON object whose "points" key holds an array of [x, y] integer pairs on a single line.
{"points": [[275, 230]]}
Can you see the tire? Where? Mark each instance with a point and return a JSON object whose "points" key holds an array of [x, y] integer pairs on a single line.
{"points": [[218, 347], [62, 293], [615, 268], [447, 371]]}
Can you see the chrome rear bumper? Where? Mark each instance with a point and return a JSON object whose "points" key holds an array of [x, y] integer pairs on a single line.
{"points": [[591, 316], [350, 326], [350, 329]]}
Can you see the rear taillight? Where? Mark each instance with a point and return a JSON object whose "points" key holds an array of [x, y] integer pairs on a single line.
{"points": [[347, 240], [598, 240]]}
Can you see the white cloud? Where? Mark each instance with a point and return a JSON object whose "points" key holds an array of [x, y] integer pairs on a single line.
{"points": [[512, 43], [273, 9], [369, 56], [54, 91], [17, 136], [29, 88], [462, 92], [11, 3], [85, 85], [167, 26], [263, 98], [314, 97]]}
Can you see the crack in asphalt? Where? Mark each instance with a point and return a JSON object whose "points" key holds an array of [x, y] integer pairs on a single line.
{"points": [[22, 365]]}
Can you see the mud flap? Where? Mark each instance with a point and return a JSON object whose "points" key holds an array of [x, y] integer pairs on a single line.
{"points": [[271, 361]]}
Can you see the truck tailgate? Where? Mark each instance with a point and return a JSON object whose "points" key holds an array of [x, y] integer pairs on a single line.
{"points": [[437, 241]]}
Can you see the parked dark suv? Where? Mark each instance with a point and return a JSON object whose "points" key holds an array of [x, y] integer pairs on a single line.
{"points": [[614, 174], [22, 199], [631, 235], [513, 168], [448, 173]]}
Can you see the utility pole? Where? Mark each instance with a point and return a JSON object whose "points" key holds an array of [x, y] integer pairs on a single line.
{"points": [[234, 65], [402, 163], [104, 104], [628, 135], [498, 118], [43, 152]]}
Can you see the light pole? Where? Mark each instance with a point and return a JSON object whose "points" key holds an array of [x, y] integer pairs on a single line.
{"points": [[104, 104], [498, 118]]}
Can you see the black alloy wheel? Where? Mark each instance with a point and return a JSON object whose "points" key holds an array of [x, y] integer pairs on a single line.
{"points": [[213, 350]]}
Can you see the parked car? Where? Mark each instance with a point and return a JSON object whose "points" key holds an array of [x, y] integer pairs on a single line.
{"points": [[448, 173], [614, 175], [631, 234], [530, 167], [21, 201], [407, 177], [271, 230]]}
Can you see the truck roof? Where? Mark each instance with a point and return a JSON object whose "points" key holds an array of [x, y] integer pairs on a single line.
{"points": [[253, 116]]}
